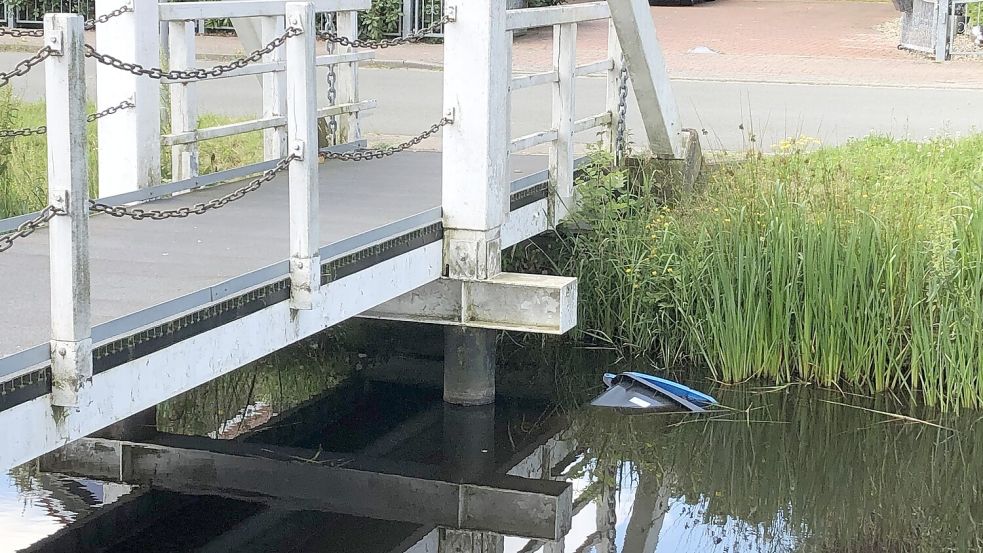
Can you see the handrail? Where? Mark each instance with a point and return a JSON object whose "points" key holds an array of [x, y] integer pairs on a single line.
{"points": [[529, 18], [193, 11]]}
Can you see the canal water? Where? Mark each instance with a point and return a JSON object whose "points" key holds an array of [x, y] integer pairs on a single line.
{"points": [[790, 469]]}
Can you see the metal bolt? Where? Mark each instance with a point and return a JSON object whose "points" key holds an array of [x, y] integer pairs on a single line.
{"points": [[62, 351]]}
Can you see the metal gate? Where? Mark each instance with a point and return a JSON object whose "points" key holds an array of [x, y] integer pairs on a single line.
{"points": [[919, 26]]}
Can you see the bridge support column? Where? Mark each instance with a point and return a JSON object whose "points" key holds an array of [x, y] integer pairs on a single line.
{"points": [[68, 190], [129, 142], [456, 541], [305, 264], [469, 365]]}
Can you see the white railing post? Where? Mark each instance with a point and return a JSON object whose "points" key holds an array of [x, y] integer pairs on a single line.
{"points": [[184, 99], [614, 86], [407, 18], [129, 141], [649, 77], [305, 266], [274, 92], [68, 190], [347, 82], [564, 102], [475, 186], [943, 11]]}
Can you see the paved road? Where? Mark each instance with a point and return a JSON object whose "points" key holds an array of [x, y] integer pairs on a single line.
{"points": [[410, 101]]}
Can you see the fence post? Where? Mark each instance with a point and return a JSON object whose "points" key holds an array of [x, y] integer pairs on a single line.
{"points": [[305, 266], [129, 142], [274, 91], [184, 99], [71, 324], [943, 10], [475, 183], [407, 18], [614, 86], [347, 83], [564, 101]]}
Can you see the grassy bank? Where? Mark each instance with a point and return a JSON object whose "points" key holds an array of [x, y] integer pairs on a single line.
{"points": [[24, 160], [860, 265]]}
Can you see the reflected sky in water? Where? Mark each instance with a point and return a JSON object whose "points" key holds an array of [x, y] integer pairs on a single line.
{"points": [[791, 470]]}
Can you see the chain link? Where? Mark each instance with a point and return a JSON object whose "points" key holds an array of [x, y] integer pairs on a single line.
{"points": [[43, 129], [89, 24], [332, 79], [365, 155], [620, 143], [138, 214], [28, 228], [191, 74], [416, 36], [24, 66]]}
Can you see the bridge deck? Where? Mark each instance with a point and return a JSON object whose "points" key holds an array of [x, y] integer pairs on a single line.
{"points": [[139, 264]]}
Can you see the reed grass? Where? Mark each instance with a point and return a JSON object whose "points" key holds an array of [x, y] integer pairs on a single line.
{"points": [[24, 160], [855, 266]]}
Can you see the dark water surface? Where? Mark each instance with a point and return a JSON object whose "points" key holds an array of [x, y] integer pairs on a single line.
{"points": [[780, 470]]}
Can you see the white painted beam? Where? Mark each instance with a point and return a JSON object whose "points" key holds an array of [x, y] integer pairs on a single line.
{"points": [[613, 94], [184, 101], [508, 301], [305, 272], [347, 79], [564, 103], [649, 77], [68, 190], [556, 15], [31, 429], [475, 187], [193, 11], [274, 90], [129, 141]]}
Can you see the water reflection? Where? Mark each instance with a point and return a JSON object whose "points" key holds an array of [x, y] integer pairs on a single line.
{"points": [[788, 470]]}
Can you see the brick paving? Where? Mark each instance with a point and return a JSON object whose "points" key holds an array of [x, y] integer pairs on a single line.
{"points": [[791, 41]]}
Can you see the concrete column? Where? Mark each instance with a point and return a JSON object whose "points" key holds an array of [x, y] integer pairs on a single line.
{"points": [[469, 365], [469, 442], [457, 541], [136, 428]]}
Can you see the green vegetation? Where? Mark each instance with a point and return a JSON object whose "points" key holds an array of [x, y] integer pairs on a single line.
{"points": [[860, 265], [23, 160]]}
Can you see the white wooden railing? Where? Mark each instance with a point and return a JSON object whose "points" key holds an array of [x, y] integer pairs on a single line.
{"points": [[185, 131]]}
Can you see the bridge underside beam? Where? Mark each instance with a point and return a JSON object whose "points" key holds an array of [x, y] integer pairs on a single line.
{"points": [[508, 301], [309, 480]]}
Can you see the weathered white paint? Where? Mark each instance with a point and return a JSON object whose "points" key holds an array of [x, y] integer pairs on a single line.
{"points": [[184, 101], [350, 57], [193, 11], [943, 9], [649, 77], [556, 15], [274, 91], [595, 67], [305, 272], [475, 185], [532, 140], [601, 120], [507, 301], [347, 79], [68, 189], [129, 141], [31, 429], [564, 103], [340, 109], [220, 131], [525, 222], [534, 79]]}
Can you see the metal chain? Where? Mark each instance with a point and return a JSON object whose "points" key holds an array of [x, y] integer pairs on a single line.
{"points": [[43, 129], [332, 79], [91, 23], [138, 214], [365, 155], [24, 66], [88, 25], [416, 36], [620, 144], [28, 228], [192, 74]]}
